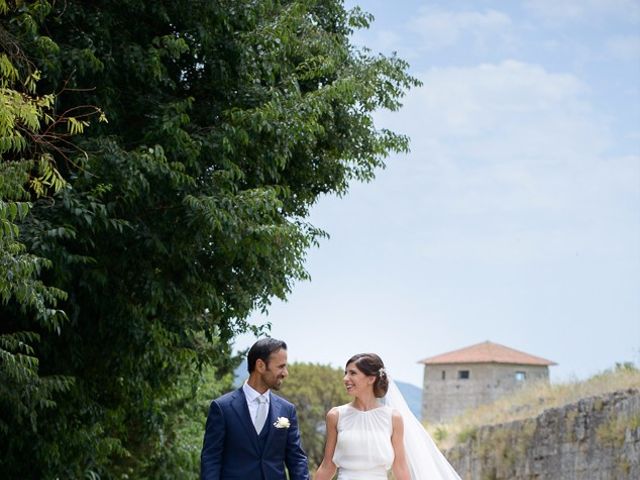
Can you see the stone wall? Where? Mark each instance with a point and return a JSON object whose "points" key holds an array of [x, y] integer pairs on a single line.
{"points": [[597, 438], [445, 396]]}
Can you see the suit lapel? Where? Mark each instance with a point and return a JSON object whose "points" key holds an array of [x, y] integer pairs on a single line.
{"points": [[239, 404]]}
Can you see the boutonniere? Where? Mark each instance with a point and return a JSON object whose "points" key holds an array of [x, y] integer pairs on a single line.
{"points": [[282, 422]]}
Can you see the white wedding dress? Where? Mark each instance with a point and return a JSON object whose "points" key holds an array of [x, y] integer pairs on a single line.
{"points": [[363, 450]]}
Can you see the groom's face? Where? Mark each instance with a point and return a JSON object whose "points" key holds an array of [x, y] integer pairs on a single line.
{"points": [[275, 370]]}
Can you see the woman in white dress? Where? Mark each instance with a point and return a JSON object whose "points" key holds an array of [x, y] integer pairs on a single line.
{"points": [[371, 435], [364, 438]]}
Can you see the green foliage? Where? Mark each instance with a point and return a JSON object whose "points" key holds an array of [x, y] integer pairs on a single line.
{"points": [[440, 434], [314, 389], [23, 392], [184, 429], [467, 434], [175, 451], [625, 367], [167, 225], [27, 171]]}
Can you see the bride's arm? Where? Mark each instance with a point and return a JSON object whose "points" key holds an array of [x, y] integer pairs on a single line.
{"points": [[327, 468], [399, 467]]}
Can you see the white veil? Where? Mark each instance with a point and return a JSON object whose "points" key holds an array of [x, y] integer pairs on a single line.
{"points": [[425, 460]]}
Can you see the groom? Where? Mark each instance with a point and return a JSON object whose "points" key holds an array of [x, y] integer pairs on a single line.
{"points": [[251, 434]]}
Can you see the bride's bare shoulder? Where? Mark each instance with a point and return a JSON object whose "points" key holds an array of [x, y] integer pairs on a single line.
{"points": [[396, 416], [334, 413], [333, 416], [336, 410]]}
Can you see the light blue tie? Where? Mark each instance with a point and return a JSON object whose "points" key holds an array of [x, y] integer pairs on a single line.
{"points": [[261, 413]]}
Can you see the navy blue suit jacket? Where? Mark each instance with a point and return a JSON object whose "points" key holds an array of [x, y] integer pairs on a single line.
{"points": [[233, 451]]}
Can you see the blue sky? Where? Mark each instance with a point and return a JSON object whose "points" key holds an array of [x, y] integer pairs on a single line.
{"points": [[516, 216]]}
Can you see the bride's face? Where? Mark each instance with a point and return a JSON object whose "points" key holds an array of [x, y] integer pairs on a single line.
{"points": [[356, 382]]}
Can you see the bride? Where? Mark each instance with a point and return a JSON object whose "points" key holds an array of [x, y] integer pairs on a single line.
{"points": [[368, 437]]}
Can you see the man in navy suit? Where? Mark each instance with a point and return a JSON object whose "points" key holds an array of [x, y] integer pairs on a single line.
{"points": [[251, 434]]}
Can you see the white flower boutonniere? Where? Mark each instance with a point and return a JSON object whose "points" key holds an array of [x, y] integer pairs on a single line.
{"points": [[282, 422]]}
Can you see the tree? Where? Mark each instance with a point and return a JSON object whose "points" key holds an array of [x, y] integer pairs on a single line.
{"points": [[186, 211], [29, 131], [314, 389], [22, 391]]}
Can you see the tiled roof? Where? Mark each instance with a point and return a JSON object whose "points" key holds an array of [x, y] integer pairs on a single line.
{"points": [[487, 352]]}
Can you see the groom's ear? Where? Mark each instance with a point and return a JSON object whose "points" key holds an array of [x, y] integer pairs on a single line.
{"points": [[260, 365]]}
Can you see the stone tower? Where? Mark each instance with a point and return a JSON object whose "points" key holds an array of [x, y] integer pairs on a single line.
{"points": [[475, 375]]}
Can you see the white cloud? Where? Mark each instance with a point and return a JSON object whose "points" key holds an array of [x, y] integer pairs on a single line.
{"points": [[506, 112], [472, 101], [511, 161], [439, 28], [577, 10]]}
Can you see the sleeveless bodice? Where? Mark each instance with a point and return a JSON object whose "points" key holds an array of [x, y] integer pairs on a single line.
{"points": [[363, 450]]}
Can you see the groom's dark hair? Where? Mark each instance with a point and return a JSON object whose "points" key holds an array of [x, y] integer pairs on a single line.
{"points": [[262, 349]]}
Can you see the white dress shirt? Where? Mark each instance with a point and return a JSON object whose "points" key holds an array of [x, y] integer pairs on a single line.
{"points": [[251, 395]]}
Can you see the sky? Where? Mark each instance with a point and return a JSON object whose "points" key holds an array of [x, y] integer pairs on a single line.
{"points": [[515, 218]]}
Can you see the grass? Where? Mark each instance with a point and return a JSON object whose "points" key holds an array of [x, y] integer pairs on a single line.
{"points": [[531, 401], [612, 433]]}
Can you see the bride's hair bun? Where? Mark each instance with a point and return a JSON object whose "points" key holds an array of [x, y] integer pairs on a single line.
{"points": [[372, 365]]}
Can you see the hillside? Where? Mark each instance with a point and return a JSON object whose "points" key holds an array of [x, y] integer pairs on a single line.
{"points": [[413, 396], [595, 438], [532, 401]]}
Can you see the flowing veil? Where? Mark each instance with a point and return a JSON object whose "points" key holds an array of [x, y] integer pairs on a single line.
{"points": [[425, 461]]}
